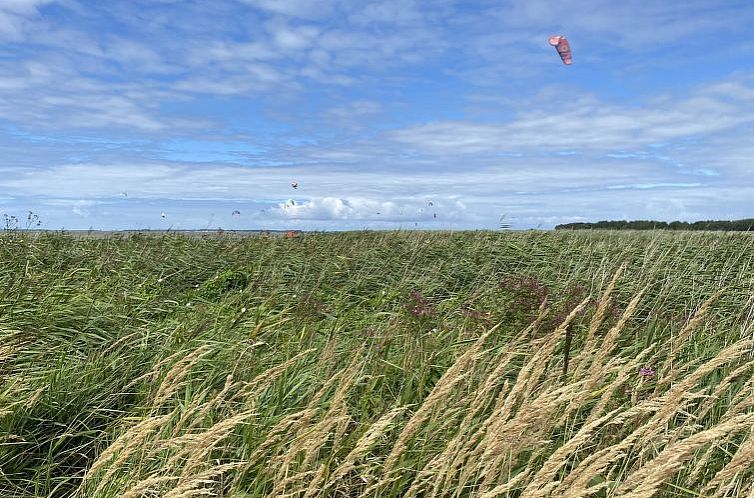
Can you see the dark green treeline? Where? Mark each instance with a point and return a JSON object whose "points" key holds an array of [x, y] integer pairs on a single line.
{"points": [[744, 225]]}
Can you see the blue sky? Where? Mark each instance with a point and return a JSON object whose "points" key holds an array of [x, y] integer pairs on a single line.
{"points": [[388, 113]]}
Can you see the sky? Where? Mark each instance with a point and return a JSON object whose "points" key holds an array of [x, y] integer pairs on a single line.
{"points": [[388, 114]]}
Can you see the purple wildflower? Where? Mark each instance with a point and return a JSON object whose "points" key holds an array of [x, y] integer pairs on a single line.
{"points": [[647, 372], [527, 292], [419, 305]]}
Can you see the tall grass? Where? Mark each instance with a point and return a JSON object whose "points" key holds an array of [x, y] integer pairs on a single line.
{"points": [[377, 365]]}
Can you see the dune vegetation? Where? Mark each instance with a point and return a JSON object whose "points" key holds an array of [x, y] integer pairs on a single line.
{"points": [[377, 364]]}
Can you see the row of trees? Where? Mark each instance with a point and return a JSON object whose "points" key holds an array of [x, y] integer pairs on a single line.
{"points": [[745, 225]]}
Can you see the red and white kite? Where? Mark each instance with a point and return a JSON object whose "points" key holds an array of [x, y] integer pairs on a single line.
{"points": [[564, 49]]}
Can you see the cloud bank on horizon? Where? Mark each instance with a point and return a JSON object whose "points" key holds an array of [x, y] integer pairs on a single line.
{"points": [[388, 113]]}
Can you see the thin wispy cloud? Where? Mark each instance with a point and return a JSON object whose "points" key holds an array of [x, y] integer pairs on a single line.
{"points": [[587, 123], [200, 110]]}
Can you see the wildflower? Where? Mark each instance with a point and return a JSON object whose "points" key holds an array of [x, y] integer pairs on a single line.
{"points": [[528, 291], [243, 310], [419, 305], [616, 310], [647, 372]]}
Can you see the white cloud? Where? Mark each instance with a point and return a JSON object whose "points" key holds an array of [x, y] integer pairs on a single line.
{"points": [[79, 207], [587, 124], [287, 37], [360, 208], [51, 94], [23, 7], [395, 12], [14, 15], [631, 23], [306, 9], [355, 114]]}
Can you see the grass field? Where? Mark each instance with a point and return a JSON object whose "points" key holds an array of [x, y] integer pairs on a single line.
{"points": [[416, 364]]}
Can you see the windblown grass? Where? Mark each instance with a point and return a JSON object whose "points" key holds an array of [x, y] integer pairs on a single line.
{"points": [[378, 365]]}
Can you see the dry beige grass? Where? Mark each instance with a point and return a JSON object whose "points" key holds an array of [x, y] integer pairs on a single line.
{"points": [[131, 441], [583, 359], [175, 378], [510, 423], [364, 444], [647, 479], [724, 479], [455, 374]]}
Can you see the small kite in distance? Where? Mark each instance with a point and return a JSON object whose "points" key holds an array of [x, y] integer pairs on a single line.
{"points": [[163, 215], [236, 213], [564, 49], [504, 225], [294, 184]]}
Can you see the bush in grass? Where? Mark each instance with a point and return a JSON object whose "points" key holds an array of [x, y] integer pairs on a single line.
{"points": [[224, 282]]}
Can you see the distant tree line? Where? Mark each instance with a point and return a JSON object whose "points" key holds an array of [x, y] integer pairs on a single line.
{"points": [[745, 225]]}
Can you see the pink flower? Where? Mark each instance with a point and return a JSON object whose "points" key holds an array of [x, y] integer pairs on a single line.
{"points": [[647, 372]]}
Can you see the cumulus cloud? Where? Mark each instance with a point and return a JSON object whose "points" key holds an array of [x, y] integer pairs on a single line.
{"points": [[79, 207], [359, 208]]}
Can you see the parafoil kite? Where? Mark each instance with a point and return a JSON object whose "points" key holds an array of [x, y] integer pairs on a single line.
{"points": [[564, 49], [236, 213]]}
